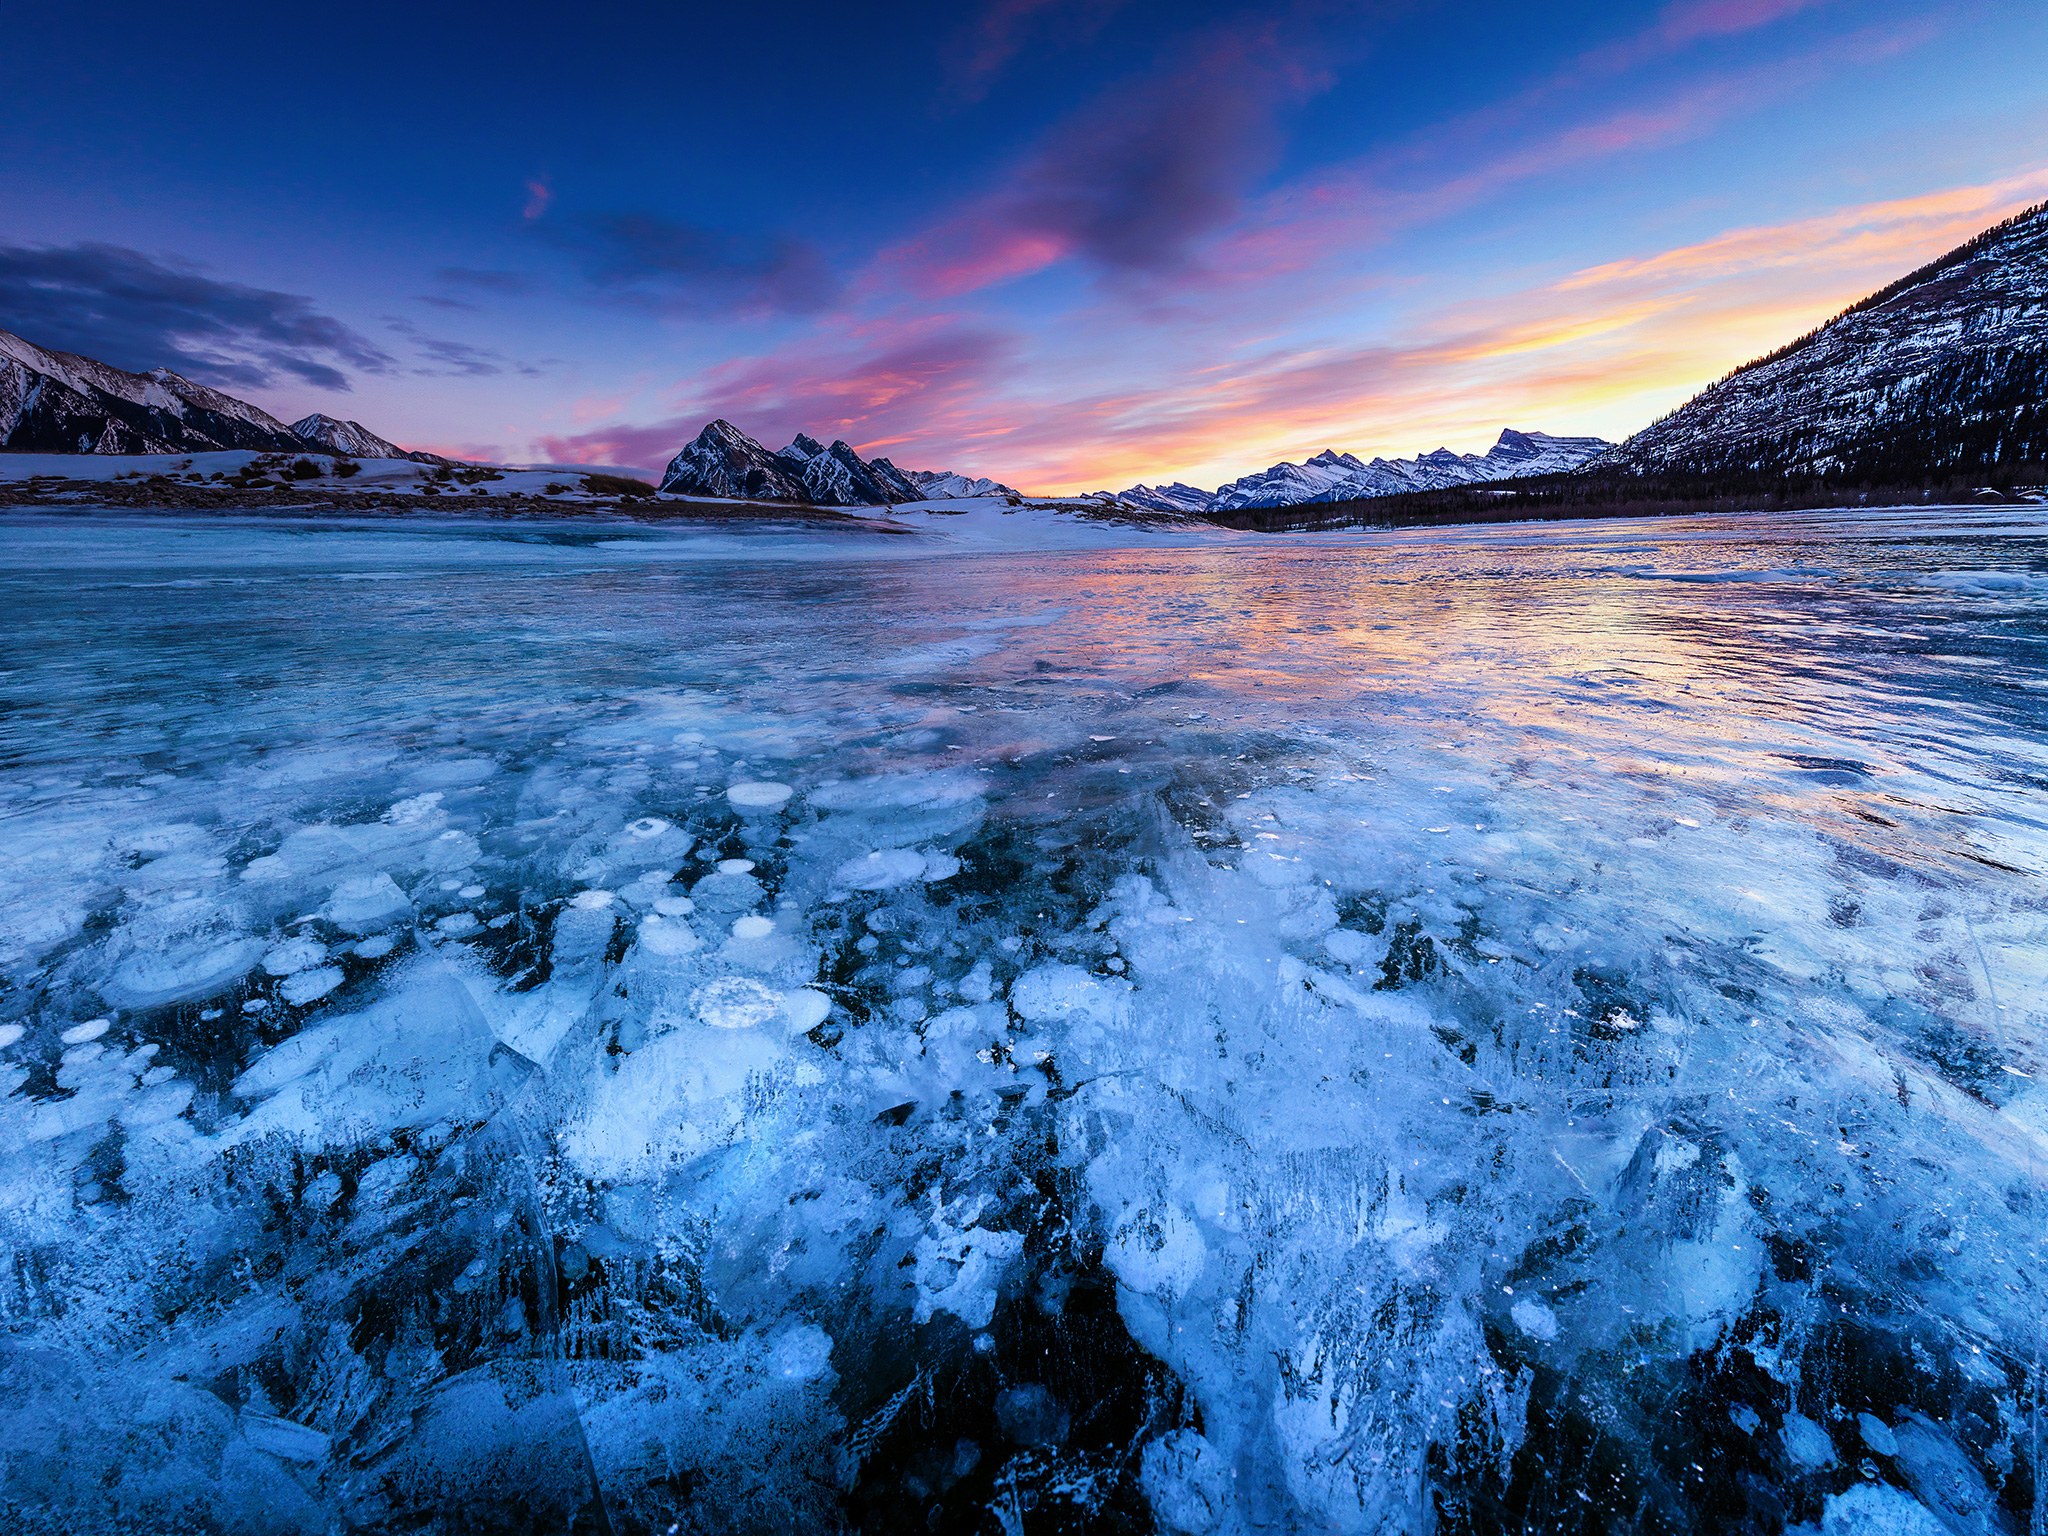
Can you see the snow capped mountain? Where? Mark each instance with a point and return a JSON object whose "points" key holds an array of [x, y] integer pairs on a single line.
{"points": [[352, 439], [1945, 369], [1332, 476], [947, 485], [59, 402], [1176, 497], [723, 461]]}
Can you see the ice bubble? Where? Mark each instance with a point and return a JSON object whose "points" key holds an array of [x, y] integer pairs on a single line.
{"points": [[674, 906], [365, 903], [1158, 1256], [1806, 1443], [591, 901], [736, 1002], [1873, 1509], [668, 936], [753, 926], [78, 1034], [805, 1009], [310, 986], [882, 870], [79, 1055], [256, 1005], [470, 892], [374, 949], [9, 1033], [1877, 1434], [735, 866], [646, 827], [1535, 1319], [294, 955], [758, 794], [802, 1353], [456, 924]]}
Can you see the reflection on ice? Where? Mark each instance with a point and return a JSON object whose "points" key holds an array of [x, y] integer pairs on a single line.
{"points": [[1475, 1031]]}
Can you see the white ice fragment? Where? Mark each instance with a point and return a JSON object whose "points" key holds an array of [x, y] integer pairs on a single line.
{"points": [[91, 1029], [674, 906], [591, 901], [1057, 991], [647, 827], [375, 948], [735, 866], [736, 1002], [758, 794], [309, 986], [456, 924], [414, 810], [960, 1272], [9, 1033], [753, 926], [1535, 1319], [294, 955], [470, 892], [805, 1009]]}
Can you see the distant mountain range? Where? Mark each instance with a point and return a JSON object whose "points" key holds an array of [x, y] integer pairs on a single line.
{"points": [[1943, 371], [1333, 476]]}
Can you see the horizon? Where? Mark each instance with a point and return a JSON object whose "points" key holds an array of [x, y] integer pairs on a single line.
{"points": [[1017, 252]]}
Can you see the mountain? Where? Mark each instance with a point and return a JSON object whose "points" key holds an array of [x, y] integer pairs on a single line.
{"points": [[1944, 370], [723, 461], [353, 440], [946, 485], [1167, 498], [1333, 476], [58, 402]]}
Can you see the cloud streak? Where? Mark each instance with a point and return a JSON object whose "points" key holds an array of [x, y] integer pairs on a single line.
{"points": [[139, 312]]}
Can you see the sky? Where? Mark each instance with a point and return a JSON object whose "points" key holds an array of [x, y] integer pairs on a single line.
{"points": [[1072, 244]]}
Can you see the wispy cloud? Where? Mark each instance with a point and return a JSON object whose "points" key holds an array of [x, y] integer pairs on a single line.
{"points": [[650, 262], [140, 312], [1133, 183]]}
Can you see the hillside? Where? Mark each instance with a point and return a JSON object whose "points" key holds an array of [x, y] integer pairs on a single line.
{"points": [[1943, 372]]}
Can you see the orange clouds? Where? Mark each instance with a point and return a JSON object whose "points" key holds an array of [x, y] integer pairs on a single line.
{"points": [[1605, 349]]}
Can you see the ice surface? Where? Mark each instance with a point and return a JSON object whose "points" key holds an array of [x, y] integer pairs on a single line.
{"points": [[519, 1028]]}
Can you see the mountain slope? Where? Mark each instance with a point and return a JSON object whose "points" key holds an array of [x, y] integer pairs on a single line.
{"points": [[59, 402], [1945, 370], [950, 485], [352, 439]]}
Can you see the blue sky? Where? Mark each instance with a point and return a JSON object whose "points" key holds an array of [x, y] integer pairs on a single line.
{"points": [[1070, 243]]}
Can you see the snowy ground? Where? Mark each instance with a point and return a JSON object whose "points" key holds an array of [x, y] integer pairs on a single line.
{"points": [[531, 1026]]}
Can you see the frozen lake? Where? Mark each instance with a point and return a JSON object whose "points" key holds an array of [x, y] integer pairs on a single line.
{"points": [[612, 1029]]}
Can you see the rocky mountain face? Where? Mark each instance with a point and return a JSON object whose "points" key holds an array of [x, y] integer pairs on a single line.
{"points": [[723, 461], [1944, 371], [59, 402], [353, 440], [1332, 476]]}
